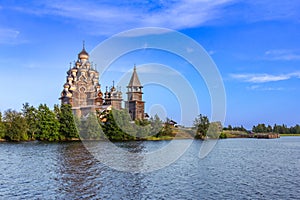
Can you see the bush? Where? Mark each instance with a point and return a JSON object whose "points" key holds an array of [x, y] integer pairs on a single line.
{"points": [[223, 135]]}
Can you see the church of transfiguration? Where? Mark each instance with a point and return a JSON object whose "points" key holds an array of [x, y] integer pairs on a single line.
{"points": [[83, 91]]}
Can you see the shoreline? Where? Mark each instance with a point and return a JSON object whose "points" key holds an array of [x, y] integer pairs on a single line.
{"points": [[145, 139]]}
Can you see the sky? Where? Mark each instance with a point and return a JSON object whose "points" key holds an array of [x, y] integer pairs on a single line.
{"points": [[254, 44]]}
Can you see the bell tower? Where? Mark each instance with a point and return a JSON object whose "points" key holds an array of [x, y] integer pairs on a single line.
{"points": [[135, 103]]}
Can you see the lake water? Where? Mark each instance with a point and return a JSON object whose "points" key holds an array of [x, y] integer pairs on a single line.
{"points": [[235, 169]]}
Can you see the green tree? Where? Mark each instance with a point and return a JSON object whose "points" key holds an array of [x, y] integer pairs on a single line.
{"points": [[124, 123], [277, 128], [214, 130], [297, 129], [30, 114], [2, 128], [167, 128], [118, 126], [66, 120], [269, 129], [156, 125], [90, 127], [142, 128], [111, 129], [15, 125], [260, 128], [56, 110], [285, 129], [239, 128], [229, 128], [201, 123], [223, 135], [143, 131], [48, 124]]}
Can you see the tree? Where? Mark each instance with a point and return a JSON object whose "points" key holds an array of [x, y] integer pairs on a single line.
{"points": [[156, 125], [201, 124], [297, 129], [229, 127], [66, 120], [57, 110], [276, 128], [260, 128], [112, 129], [269, 129], [167, 128], [214, 130], [15, 125], [90, 127], [142, 128], [30, 114], [124, 123], [2, 127], [48, 124]]}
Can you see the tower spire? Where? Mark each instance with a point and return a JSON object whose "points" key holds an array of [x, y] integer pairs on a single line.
{"points": [[83, 44], [134, 81]]}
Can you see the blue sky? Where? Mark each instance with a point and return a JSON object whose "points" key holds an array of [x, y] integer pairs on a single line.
{"points": [[255, 45]]}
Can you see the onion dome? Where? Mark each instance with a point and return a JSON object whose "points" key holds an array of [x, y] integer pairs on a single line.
{"points": [[77, 63], [100, 94], [84, 70], [66, 85], [72, 88], [112, 89], [106, 93], [95, 80], [83, 55], [69, 94], [70, 78], [92, 72], [74, 70]]}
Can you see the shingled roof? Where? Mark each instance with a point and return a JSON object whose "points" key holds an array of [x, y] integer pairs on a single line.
{"points": [[134, 81]]}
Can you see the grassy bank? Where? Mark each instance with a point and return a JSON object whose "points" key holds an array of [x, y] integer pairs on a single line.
{"points": [[289, 135]]}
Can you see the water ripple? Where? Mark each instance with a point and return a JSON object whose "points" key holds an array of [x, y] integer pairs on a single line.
{"points": [[235, 169]]}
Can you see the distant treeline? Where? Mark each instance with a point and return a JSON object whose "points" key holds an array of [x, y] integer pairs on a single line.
{"points": [[236, 128], [281, 129], [60, 124], [263, 128]]}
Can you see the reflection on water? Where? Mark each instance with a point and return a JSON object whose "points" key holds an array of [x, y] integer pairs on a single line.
{"points": [[235, 169], [82, 176], [76, 168]]}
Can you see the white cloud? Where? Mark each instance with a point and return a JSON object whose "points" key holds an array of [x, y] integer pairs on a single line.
{"points": [[263, 88], [263, 78], [282, 54], [8, 36], [296, 74], [110, 17]]}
